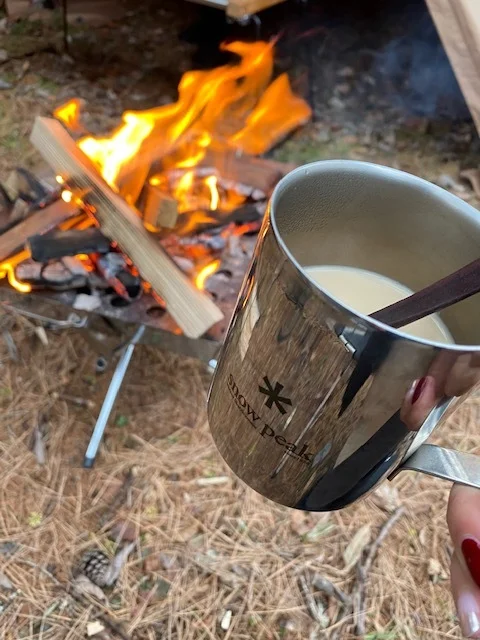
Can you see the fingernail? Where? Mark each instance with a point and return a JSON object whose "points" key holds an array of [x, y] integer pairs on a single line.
{"points": [[471, 553], [419, 387], [468, 615]]}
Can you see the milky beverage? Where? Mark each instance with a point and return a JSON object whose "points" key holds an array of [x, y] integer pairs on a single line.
{"points": [[366, 292]]}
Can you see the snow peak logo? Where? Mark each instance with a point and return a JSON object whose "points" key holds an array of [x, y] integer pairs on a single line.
{"points": [[264, 429]]}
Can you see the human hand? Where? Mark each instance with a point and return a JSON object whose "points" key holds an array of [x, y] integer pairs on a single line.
{"points": [[463, 517], [452, 375]]}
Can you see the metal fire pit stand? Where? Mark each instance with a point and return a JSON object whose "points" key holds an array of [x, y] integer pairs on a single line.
{"points": [[112, 393], [108, 336]]}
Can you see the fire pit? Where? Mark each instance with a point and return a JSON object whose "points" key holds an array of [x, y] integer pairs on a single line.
{"points": [[154, 225]]}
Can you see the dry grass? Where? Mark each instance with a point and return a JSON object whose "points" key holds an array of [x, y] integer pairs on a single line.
{"points": [[214, 547]]}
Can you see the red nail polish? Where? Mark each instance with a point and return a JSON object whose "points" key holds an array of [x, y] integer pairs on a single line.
{"points": [[471, 553], [418, 389]]}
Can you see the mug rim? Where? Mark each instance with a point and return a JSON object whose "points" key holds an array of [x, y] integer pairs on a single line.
{"points": [[377, 170]]}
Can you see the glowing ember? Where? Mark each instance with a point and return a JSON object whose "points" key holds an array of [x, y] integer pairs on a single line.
{"points": [[205, 273]]}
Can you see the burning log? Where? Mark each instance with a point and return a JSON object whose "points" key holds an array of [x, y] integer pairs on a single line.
{"points": [[57, 243], [193, 311], [160, 210], [39, 222], [23, 184], [257, 173]]}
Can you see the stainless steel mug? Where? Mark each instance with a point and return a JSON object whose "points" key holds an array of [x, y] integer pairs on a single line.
{"points": [[307, 404]]}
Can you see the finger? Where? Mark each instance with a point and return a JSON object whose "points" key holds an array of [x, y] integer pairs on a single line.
{"points": [[467, 599], [419, 401], [462, 377], [463, 517]]}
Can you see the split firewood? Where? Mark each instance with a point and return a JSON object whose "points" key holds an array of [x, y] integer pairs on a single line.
{"points": [[193, 311], [58, 244], [259, 173], [160, 210], [21, 183], [39, 222]]}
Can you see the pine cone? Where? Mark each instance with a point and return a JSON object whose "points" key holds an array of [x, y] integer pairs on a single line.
{"points": [[94, 564]]}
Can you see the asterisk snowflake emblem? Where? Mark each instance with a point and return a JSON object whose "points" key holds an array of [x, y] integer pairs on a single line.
{"points": [[273, 395]]}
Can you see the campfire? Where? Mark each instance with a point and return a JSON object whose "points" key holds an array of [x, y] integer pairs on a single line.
{"points": [[159, 219]]}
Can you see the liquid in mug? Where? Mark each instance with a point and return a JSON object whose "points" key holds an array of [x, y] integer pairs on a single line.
{"points": [[366, 292]]}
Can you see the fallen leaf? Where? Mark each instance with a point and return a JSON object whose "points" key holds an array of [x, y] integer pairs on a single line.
{"points": [[41, 335], [34, 519], [319, 530], [117, 563], [167, 561], [226, 620], [151, 563], [435, 571], [5, 582], [121, 421], [186, 534], [386, 497], [215, 480], [215, 566], [163, 587], [123, 531], [301, 522], [8, 548], [357, 544], [422, 536], [94, 627], [39, 446], [85, 587]]}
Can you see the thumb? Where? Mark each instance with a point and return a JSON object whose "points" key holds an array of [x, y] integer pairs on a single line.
{"points": [[463, 518]]}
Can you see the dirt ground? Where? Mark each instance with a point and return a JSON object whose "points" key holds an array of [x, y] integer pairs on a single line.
{"points": [[205, 544]]}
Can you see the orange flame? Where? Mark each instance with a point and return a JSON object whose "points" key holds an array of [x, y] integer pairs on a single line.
{"points": [[232, 107], [69, 113], [235, 108], [205, 273], [211, 183], [7, 270]]}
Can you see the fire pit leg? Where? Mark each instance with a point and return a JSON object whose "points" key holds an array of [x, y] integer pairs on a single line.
{"points": [[110, 398]]}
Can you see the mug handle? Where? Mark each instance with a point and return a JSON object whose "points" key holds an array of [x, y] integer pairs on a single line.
{"points": [[456, 466]]}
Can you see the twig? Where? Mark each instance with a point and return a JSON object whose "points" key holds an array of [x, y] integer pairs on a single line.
{"points": [[101, 615], [331, 590], [75, 400], [312, 606], [119, 498], [363, 569], [11, 346]]}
